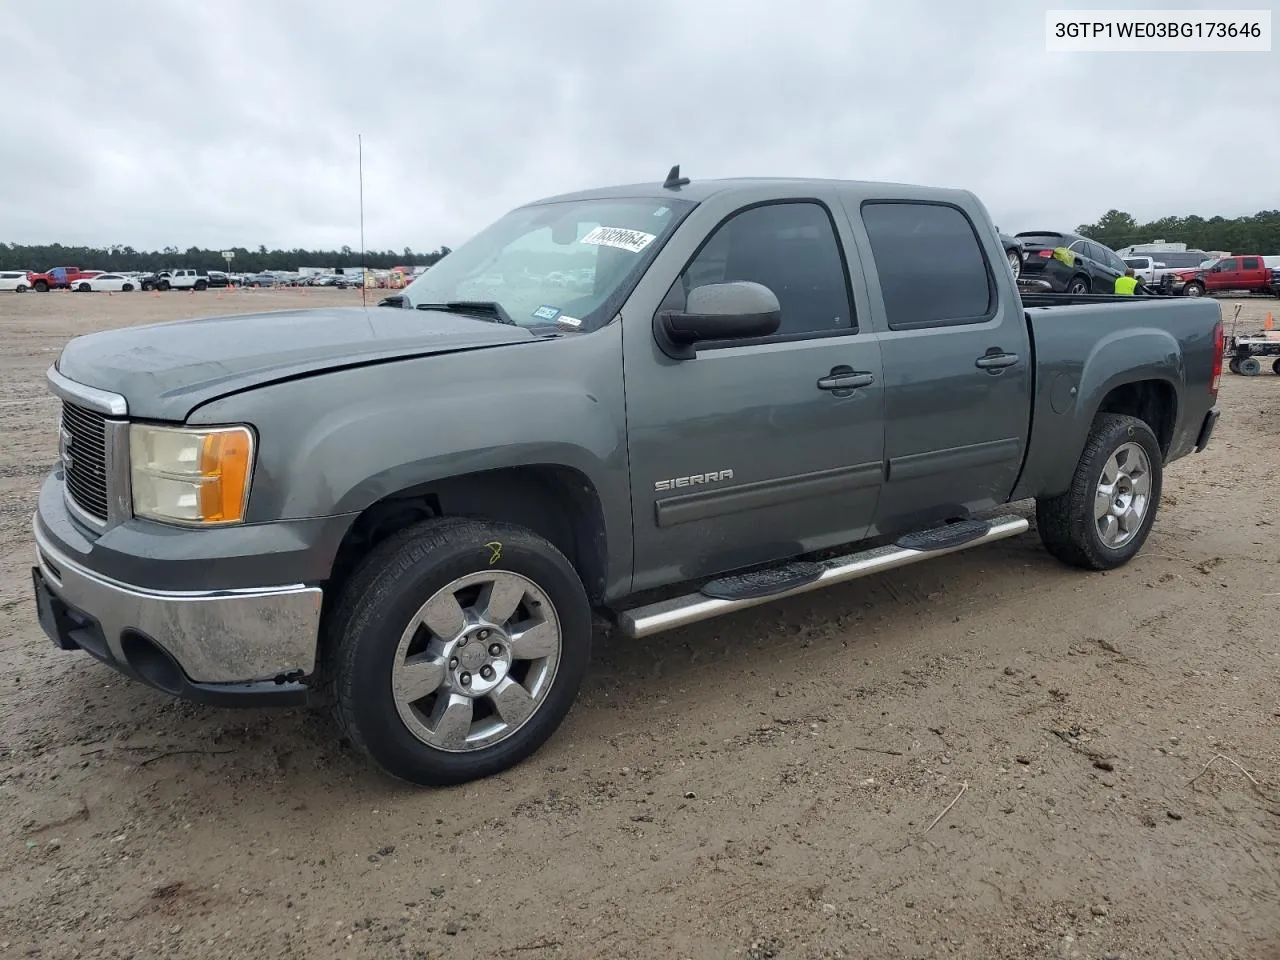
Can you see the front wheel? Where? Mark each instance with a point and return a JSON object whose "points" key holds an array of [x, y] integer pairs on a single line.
{"points": [[163, 285], [1275, 367], [127, 288], [1078, 286], [1193, 290], [42, 287], [457, 649], [1249, 366], [1015, 262], [1234, 364], [84, 288], [1103, 519], [20, 288]]}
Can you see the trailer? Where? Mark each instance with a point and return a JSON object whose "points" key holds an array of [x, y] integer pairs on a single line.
{"points": [[1248, 353]]}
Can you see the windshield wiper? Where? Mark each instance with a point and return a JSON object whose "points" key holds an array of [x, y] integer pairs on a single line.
{"points": [[489, 310]]}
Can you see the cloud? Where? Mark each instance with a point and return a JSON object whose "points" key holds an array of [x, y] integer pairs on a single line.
{"points": [[154, 123]]}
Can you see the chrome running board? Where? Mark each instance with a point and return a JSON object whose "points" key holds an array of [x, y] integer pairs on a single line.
{"points": [[793, 579]]}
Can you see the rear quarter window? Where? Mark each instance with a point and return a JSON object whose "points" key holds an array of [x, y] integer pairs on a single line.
{"points": [[931, 265]]}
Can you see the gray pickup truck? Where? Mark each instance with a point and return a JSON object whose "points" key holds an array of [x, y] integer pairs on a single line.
{"points": [[644, 405]]}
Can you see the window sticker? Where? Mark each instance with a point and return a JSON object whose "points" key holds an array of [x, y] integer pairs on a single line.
{"points": [[546, 312], [633, 241]]}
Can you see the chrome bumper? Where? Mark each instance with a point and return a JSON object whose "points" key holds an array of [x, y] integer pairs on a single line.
{"points": [[224, 636]]}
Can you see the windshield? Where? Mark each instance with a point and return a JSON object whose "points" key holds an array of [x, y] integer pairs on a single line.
{"points": [[565, 264]]}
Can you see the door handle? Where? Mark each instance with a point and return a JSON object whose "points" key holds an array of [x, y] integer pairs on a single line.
{"points": [[996, 361], [845, 379]]}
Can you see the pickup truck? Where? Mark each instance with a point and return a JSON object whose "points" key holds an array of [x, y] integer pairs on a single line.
{"points": [[1244, 272], [415, 515], [58, 278]]}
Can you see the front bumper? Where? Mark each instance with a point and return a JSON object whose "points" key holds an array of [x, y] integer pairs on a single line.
{"points": [[248, 646]]}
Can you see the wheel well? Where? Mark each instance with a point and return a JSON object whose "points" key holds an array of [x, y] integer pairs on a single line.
{"points": [[1152, 401], [555, 502]]}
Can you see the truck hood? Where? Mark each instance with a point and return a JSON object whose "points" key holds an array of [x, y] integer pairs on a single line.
{"points": [[165, 370]]}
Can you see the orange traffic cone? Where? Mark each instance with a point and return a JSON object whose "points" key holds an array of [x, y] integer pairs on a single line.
{"points": [[1269, 323]]}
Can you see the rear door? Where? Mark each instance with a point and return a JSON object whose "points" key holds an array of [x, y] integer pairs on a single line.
{"points": [[957, 364], [1252, 275], [748, 452]]}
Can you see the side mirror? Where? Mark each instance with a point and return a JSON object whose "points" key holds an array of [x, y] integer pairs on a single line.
{"points": [[739, 310]]}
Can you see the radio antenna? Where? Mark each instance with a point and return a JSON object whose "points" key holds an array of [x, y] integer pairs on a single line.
{"points": [[364, 268]]}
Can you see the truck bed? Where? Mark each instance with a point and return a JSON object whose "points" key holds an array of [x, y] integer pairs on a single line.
{"points": [[1083, 349]]}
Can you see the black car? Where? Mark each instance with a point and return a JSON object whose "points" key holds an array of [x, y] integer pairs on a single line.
{"points": [[1087, 266], [1013, 252]]}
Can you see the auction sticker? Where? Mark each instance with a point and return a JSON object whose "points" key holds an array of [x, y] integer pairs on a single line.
{"points": [[547, 313], [571, 322], [632, 241]]}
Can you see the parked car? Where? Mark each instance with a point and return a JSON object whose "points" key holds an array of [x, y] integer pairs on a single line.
{"points": [[1152, 268], [1246, 273], [1087, 267], [219, 279], [106, 283], [15, 280], [1013, 253], [335, 506], [58, 278], [261, 280]]}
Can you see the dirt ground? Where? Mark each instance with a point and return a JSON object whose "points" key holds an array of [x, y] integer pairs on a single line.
{"points": [[987, 755]]}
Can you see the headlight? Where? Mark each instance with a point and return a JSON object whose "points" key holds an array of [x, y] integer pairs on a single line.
{"points": [[191, 476]]}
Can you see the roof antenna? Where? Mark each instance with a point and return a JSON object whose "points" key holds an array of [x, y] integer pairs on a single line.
{"points": [[674, 181]]}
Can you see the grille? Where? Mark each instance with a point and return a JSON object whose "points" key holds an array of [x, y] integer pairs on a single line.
{"points": [[84, 458]]}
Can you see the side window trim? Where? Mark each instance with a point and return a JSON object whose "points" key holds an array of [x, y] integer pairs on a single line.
{"points": [[845, 266], [993, 289]]}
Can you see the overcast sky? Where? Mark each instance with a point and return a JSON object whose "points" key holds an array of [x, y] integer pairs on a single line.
{"points": [[234, 122]]}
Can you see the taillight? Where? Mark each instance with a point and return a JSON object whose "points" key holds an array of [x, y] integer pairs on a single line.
{"points": [[1045, 253], [1219, 347]]}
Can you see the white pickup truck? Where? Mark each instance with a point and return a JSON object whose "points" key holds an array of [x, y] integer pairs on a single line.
{"points": [[180, 280], [1151, 268]]}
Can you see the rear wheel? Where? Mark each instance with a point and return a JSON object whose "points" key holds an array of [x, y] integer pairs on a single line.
{"points": [[1106, 514], [1234, 364], [127, 288], [1250, 366], [1015, 262], [1193, 289], [1078, 286], [202, 285], [1275, 367], [457, 649], [84, 288], [20, 288], [162, 285]]}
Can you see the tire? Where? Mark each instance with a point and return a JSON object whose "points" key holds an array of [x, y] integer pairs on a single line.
{"points": [[1275, 367], [20, 288], [1067, 523], [1015, 262], [1234, 364], [1193, 289], [1249, 366], [127, 288], [368, 635], [163, 286], [202, 285], [84, 288], [42, 287], [1078, 286]]}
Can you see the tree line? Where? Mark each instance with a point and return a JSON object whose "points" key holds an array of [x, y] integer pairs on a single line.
{"points": [[16, 256], [1259, 233]]}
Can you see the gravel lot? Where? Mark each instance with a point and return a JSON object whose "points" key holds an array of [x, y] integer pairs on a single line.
{"points": [[755, 787]]}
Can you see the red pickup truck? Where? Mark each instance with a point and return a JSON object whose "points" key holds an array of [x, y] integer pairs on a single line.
{"points": [[58, 278], [1237, 272]]}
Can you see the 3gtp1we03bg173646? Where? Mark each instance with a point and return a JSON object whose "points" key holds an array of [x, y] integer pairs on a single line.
{"points": [[709, 394]]}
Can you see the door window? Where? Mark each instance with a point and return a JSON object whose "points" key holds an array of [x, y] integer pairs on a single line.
{"points": [[930, 263], [1249, 263], [790, 247], [1226, 266]]}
